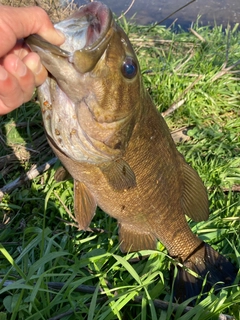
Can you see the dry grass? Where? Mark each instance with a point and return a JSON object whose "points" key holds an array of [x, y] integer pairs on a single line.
{"points": [[53, 8]]}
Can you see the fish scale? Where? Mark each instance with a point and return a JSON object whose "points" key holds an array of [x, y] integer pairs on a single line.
{"points": [[124, 160]]}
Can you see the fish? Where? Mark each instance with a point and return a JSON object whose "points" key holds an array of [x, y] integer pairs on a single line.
{"points": [[102, 124]]}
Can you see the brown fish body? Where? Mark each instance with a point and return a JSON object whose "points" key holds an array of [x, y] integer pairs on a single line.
{"points": [[145, 209], [103, 126]]}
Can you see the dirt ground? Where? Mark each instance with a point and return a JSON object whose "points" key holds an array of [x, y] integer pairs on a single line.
{"points": [[54, 9]]}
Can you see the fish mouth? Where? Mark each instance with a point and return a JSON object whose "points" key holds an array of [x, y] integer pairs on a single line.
{"points": [[87, 33]]}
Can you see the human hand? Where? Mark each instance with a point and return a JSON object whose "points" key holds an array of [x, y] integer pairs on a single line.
{"points": [[20, 69]]}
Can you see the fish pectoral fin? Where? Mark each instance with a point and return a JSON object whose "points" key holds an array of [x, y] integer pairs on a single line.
{"points": [[62, 174], [84, 205], [133, 240], [195, 198], [119, 175]]}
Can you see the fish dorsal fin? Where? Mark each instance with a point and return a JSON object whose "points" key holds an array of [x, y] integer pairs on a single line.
{"points": [[84, 205], [195, 199], [133, 240], [62, 174], [119, 175]]}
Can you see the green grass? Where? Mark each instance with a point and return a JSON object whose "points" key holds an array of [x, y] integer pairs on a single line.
{"points": [[50, 270]]}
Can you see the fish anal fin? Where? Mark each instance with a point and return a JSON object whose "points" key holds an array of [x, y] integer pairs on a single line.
{"points": [[194, 199], [84, 205], [119, 175], [206, 263], [133, 240]]}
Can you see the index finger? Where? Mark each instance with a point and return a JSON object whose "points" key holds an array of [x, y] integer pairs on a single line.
{"points": [[17, 23]]}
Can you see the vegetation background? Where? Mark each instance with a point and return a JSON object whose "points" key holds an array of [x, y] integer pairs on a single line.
{"points": [[49, 269]]}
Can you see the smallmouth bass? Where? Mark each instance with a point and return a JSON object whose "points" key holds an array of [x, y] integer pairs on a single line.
{"points": [[103, 126]]}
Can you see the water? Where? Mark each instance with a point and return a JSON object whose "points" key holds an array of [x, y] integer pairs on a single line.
{"points": [[149, 11]]}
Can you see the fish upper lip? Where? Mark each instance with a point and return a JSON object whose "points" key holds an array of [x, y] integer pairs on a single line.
{"points": [[98, 19]]}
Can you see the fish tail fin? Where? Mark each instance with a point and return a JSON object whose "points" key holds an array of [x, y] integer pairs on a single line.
{"points": [[209, 268]]}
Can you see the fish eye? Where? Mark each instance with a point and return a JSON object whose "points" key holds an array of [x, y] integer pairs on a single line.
{"points": [[129, 68]]}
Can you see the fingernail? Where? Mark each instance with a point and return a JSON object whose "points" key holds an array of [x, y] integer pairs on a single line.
{"points": [[62, 36], [33, 63], [3, 74], [36, 66], [21, 69]]}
